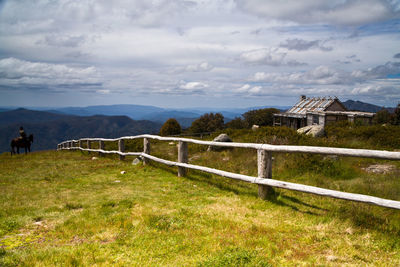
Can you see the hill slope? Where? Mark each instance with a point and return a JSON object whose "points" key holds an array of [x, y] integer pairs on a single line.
{"points": [[64, 209], [49, 129]]}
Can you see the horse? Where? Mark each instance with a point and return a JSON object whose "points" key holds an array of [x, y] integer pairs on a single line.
{"points": [[21, 143]]}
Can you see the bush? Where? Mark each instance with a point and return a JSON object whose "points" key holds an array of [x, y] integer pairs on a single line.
{"points": [[236, 123], [208, 122], [377, 136], [383, 116], [261, 117], [170, 127]]}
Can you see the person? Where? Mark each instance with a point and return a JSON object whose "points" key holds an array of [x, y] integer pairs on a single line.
{"points": [[22, 133]]}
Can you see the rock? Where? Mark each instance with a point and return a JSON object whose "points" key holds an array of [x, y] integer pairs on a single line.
{"points": [[313, 130], [220, 138], [255, 127], [123, 172], [117, 181], [331, 258], [136, 161], [171, 143], [380, 168], [94, 158]]}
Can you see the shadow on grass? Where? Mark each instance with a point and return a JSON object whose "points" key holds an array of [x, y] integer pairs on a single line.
{"points": [[383, 221], [241, 188]]}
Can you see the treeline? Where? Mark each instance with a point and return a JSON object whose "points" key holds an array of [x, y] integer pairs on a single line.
{"points": [[211, 122], [384, 116]]}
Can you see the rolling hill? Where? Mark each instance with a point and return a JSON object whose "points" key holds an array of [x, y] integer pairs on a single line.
{"points": [[49, 128]]}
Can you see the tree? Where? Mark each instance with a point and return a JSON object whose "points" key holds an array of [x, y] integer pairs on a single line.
{"points": [[261, 117], [236, 123], [383, 116], [208, 122], [170, 127], [397, 115]]}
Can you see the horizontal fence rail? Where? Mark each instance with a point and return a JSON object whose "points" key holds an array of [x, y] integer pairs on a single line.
{"points": [[263, 180]]}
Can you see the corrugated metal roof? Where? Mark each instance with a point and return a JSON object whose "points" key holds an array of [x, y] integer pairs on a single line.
{"points": [[311, 104]]}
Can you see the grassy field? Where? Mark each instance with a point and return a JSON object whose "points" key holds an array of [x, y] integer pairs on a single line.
{"points": [[65, 209]]}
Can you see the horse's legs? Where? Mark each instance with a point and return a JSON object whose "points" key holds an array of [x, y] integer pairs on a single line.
{"points": [[17, 149]]}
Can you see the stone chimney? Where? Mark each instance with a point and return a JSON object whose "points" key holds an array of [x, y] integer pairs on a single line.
{"points": [[303, 97]]}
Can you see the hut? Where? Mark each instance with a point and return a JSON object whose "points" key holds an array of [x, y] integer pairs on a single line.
{"points": [[319, 111]]}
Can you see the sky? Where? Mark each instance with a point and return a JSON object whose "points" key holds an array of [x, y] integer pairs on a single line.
{"points": [[198, 53]]}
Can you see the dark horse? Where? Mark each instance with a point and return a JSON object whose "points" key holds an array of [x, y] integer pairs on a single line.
{"points": [[21, 143]]}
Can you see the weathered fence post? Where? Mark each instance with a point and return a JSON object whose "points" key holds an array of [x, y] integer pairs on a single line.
{"points": [[89, 145], [80, 143], [264, 163], [146, 150], [182, 157], [121, 148], [101, 146]]}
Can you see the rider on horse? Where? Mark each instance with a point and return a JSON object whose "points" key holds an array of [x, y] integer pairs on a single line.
{"points": [[22, 133]]}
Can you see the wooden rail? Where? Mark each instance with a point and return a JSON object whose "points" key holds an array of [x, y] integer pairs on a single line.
{"points": [[264, 180]]}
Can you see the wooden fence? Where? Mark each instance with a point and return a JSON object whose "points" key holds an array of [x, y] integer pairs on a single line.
{"points": [[264, 159]]}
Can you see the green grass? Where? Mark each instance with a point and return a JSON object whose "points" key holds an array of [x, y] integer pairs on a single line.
{"points": [[65, 209]]}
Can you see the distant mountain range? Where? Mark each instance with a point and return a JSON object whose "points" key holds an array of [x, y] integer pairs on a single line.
{"points": [[139, 112], [365, 107], [49, 129], [58, 124]]}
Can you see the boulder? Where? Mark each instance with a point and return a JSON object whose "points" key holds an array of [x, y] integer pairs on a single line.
{"points": [[220, 138], [313, 130], [136, 161], [255, 127]]}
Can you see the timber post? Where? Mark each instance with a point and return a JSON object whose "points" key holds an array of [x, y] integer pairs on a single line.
{"points": [[121, 148], [182, 157], [80, 143], [146, 150], [89, 145], [264, 164], [101, 146]]}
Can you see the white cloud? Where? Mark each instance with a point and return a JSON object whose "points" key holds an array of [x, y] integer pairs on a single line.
{"points": [[381, 71], [318, 75], [267, 56], [339, 12], [377, 90], [204, 66], [201, 67], [193, 86], [263, 56], [147, 48], [15, 72]]}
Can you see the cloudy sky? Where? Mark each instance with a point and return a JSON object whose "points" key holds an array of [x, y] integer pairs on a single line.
{"points": [[192, 53]]}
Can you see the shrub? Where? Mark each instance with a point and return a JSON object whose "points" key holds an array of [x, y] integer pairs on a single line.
{"points": [[261, 117], [170, 127], [383, 116], [236, 123], [208, 122]]}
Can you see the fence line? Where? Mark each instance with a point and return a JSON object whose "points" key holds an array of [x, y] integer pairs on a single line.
{"points": [[263, 180]]}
